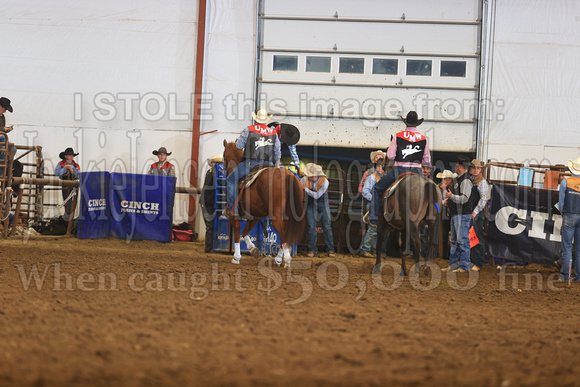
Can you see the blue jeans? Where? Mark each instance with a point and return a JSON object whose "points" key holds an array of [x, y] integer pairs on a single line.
{"points": [[370, 240], [570, 234], [460, 249], [241, 170], [382, 185], [312, 211]]}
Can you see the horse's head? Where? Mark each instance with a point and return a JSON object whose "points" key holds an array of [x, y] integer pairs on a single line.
{"points": [[232, 156]]}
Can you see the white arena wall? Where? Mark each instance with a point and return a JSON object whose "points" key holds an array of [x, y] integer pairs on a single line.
{"points": [[112, 79]]}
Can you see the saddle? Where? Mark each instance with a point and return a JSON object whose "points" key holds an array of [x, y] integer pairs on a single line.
{"points": [[391, 189]]}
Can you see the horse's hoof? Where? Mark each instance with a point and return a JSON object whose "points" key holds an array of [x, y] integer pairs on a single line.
{"points": [[279, 263], [255, 252], [236, 261], [286, 264]]}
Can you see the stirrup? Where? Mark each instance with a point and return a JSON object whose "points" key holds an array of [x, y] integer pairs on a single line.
{"points": [[229, 214]]}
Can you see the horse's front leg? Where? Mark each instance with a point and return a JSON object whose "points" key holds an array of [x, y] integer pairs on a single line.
{"points": [[250, 224], [287, 256], [236, 231]]}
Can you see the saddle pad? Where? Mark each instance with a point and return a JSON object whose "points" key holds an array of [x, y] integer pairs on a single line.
{"points": [[252, 176]]}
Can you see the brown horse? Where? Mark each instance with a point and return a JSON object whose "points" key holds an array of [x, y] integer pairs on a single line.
{"points": [[276, 194], [414, 201]]}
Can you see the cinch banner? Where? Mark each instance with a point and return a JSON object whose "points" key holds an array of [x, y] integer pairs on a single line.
{"points": [[94, 214], [524, 225], [135, 207], [141, 207]]}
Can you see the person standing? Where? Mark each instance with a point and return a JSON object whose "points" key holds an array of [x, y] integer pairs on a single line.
{"points": [[370, 240], [480, 197], [458, 198], [67, 169], [162, 167], [375, 156], [207, 201], [315, 186], [570, 208], [446, 178], [261, 145], [409, 149], [4, 107]]}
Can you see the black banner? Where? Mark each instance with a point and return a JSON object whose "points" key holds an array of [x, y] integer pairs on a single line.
{"points": [[524, 225]]}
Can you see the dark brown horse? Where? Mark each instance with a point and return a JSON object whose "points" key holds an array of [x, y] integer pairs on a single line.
{"points": [[414, 201], [276, 194]]}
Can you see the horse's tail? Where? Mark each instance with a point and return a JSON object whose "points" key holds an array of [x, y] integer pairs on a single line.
{"points": [[295, 211]]}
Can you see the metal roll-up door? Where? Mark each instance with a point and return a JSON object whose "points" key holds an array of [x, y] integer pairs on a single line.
{"points": [[344, 73]]}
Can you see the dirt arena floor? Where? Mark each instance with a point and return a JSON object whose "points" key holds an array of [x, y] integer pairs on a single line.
{"points": [[107, 312]]}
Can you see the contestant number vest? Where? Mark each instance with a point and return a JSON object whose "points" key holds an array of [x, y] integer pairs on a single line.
{"points": [[410, 147], [260, 144]]}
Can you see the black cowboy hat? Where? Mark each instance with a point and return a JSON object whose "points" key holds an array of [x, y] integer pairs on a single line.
{"points": [[5, 103], [162, 150], [412, 119], [67, 151], [289, 134], [463, 160]]}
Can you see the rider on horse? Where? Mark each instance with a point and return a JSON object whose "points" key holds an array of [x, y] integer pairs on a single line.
{"points": [[409, 149], [261, 145]]}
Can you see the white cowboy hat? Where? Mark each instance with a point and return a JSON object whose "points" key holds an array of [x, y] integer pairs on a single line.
{"points": [[262, 116], [313, 170], [574, 166], [375, 153], [446, 174], [216, 159]]}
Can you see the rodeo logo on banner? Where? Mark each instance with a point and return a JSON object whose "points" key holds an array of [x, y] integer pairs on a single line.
{"points": [[524, 225]]}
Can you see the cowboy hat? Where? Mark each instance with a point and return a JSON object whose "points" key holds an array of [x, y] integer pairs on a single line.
{"points": [[67, 151], [162, 150], [261, 116], [476, 163], [427, 165], [313, 170], [375, 153], [574, 166], [289, 134], [463, 160], [446, 174], [5, 103], [412, 119], [216, 159]]}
